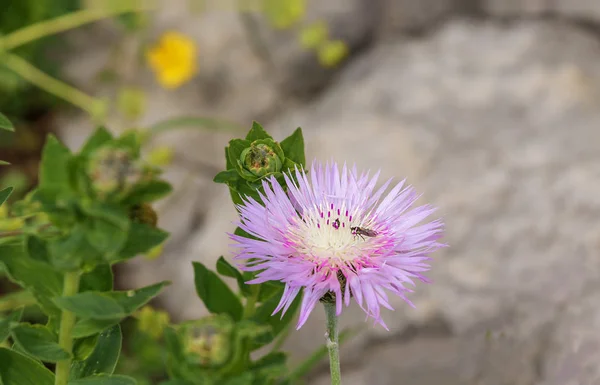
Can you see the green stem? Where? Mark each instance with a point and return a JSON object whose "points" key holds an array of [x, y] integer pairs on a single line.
{"points": [[251, 301], [30, 73], [333, 345], [67, 321], [65, 23]]}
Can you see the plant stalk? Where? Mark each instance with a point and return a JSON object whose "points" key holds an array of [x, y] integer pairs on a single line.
{"points": [[46, 82], [333, 343], [67, 321], [251, 302], [67, 22]]}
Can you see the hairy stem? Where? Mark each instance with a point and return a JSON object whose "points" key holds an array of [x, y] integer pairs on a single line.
{"points": [[67, 321], [333, 345]]}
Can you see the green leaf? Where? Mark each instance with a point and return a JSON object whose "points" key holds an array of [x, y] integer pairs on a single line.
{"points": [[226, 269], [239, 231], [270, 367], [91, 304], [110, 305], [18, 369], [70, 251], [148, 192], [103, 379], [175, 382], [242, 379], [277, 322], [216, 295], [293, 147], [130, 140], [4, 194], [88, 327], [83, 347], [54, 167], [37, 249], [106, 228], [39, 342], [271, 359], [267, 289], [4, 163], [228, 177], [257, 132], [7, 322], [28, 273], [5, 124], [132, 300], [140, 239], [99, 279], [104, 357], [100, 137], [228, 164], [236, 146]]}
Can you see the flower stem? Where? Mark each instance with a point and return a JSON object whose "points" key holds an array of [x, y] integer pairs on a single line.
{"points": [[67, 321], [333, 345], [66, 22], [251, 301], [30, 73]]}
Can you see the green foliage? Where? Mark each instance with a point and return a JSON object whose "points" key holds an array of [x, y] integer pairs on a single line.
{"points": [[18, 369], [79, 230], [104, 357], [17, 96], [216, 295], [258, 157], [92, 210], [39, 342], [4, 194], [5, 124], [108, 305]]}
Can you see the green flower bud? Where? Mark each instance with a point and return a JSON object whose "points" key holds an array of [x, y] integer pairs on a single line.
{"points": [[262, 158], [207, 342], [113, 171]]}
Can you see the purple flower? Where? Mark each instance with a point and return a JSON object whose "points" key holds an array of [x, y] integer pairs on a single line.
{"points": [[332, 233]]}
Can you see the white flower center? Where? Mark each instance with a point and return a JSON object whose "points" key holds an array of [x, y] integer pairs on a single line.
{"points": [[330, 233]]}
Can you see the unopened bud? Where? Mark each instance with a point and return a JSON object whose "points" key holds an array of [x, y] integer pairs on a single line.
{"points": [[260, 159]]}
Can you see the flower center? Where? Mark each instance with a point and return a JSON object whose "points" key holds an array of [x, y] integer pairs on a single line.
{"points": [[335, 233]]}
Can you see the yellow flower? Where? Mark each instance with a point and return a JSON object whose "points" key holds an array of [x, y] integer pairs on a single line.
{"points": [[173, 59]]}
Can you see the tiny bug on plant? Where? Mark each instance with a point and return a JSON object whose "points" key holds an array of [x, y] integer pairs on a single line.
{"points": [[362, 232]]}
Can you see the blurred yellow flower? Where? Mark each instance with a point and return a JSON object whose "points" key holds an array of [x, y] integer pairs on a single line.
{"points": [[173, 59]]}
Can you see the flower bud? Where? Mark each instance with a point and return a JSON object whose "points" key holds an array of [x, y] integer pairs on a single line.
{"points": [[208, 341], [113, 170], [261, 159]]}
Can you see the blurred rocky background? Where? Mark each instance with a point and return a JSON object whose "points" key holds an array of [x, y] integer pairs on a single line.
{"points": [[489, 107]]}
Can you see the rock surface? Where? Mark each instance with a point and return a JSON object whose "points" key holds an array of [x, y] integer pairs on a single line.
{"points": [[496, 123]]}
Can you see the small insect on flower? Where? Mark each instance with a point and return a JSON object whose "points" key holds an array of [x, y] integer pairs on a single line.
{"points": [[362, 232], [336, 237]]}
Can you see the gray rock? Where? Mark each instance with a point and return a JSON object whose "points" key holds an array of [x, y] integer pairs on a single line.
{"points": [[588, 10]]}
